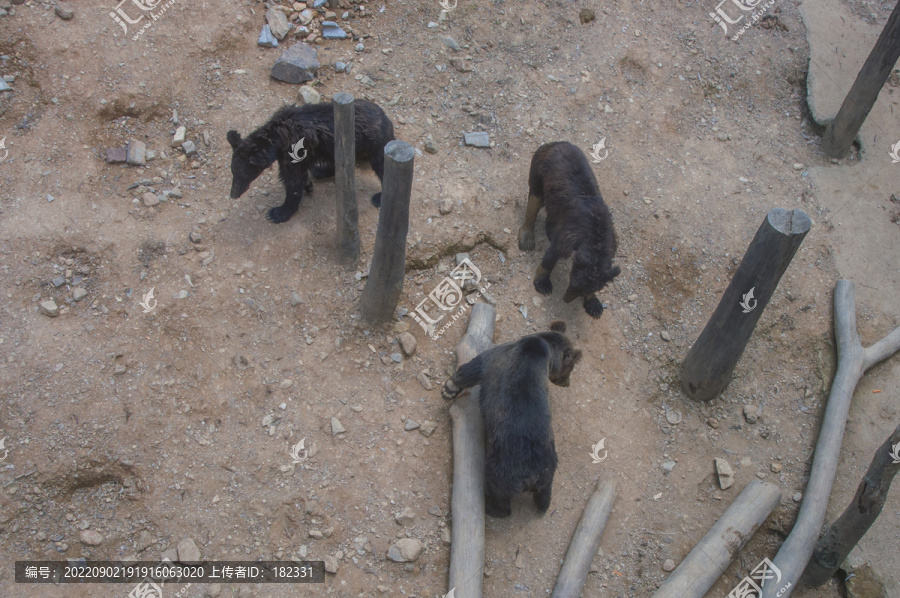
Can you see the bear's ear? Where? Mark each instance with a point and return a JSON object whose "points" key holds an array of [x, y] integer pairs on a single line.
{"points": [[234, 138], [575, 357], [558, 326]]}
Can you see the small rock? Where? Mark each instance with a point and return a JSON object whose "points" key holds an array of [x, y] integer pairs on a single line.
{"points": [[340, 67], [668, 466], [58, 281], [478, 139], [79, 293], [406, 516], [445, 536], [115, 155], [306, 16], [632, 297], [150, 199], [175, 193], [137, 153], [49, 308], [296, 64], [309, 95], [864, 583], [91, 537], [798, 496], [316, 534], [189, 148], [302, 551], [776, 467], [431, 148], [331, 564], [188, 553], [360, 47], [171, 555], [436, 511], [461, 257], [798, 166], [712, 422], [64, 12], [179, 136], [446, 206], [336, 427], [665, 336], [195, 237], [295, 299], [451, 43], [407, 343], [278, 23], [427, 428], [722, 136], [120, 369], [266, 39], [424, 381], [668, 565], [145, 539], [410, 425], [586, 16], [396, 357], [725, 472], [285, 384], [405, 550], [461, 64], [752, 413], [331, 30]]}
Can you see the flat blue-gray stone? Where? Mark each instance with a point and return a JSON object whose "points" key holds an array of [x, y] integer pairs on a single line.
{"points": [[331, 30], [297, 64], [266, 39], [478, 139]]}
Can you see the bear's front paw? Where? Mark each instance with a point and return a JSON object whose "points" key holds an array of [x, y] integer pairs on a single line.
{"points": [[526, 240], [593, 307], [543, 285], [376, 200], [450, 390], [279, 214]]}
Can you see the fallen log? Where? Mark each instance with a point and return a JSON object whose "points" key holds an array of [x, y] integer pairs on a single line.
{"points": [[853, 361], [586, 540], [467, 502], [845, 533], [711, 556]]}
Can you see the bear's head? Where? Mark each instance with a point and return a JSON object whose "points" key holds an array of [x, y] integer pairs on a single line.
{"points": [[249, 158], [590, 273], [564, 355]]}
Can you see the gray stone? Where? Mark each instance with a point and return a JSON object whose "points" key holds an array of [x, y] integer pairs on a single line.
{"points": [[407, 343], [451, 43], [189, 148], [340, 67], [336, 427], [115, 155], [725, 472], [396, 357], [798, 496], [266, 39], [306, 16], [179, 136], [405, 550], [331, 30], [79, 294], [424, 381], [145, 540], [64, 12], [91, 537], [430, 147], [752, 413], [49, 308], [278, 23], [665, 335], [427, 428], [668, 565], [309, 95], [195, 237], [668, 466], [331, 564], [137, 153], [58, 281], [188, 553], [175, 193], [359, 47], [150, 199], [297, 64], [406, 516], [410, 425], [461, 257], [296, 299], [319, 3], [478, 139], [170, 554]]}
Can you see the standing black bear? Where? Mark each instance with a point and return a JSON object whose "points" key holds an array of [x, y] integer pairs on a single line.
{"points": [[520, 455], [578, 222], [314, 125]]}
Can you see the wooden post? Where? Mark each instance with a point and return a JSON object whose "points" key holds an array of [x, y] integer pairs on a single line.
{"points": [[711, 556], [345, 178], [467, 503], [382, 292], [853, 361], [845, 533], [710, 363], [585, 541], [841, 131]]}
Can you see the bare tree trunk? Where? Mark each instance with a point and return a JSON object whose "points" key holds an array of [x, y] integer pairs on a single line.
{"points": [[467, 503], [853, 361], [345, 178], [845, 533]]}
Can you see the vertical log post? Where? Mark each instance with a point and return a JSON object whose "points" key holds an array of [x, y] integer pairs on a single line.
{"points": [[710, 363], [711, 556], [382, 292], [841, 131], [586, 540], [467, 503], [845, 533], [345, 178]]}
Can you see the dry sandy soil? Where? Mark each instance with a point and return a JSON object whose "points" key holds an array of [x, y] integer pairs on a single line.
{"points": [[148, 428]]}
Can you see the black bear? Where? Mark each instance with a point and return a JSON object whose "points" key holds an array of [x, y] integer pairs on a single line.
{"points": [[313, 126], [519, 452], [578, 221]]}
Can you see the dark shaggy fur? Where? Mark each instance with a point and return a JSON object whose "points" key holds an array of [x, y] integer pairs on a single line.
{"points": [[314, 123], [578, 221], [520, 455]]}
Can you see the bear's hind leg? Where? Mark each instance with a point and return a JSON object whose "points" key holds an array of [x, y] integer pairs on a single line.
{"points": [[542, 497], [376, 160], [496, 505], [592, 306]]}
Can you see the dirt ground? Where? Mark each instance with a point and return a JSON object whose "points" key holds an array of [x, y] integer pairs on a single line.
{"points": [[151, 428]]}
